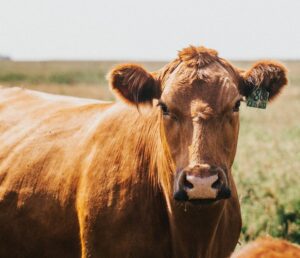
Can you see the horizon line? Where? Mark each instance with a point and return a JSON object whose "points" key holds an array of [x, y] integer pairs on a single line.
{"points": [[10, 59]]}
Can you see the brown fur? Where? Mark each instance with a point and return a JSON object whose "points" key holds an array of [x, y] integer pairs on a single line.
{"points": [[197, 56], [267, 74], [133, 84], [268, 247], [83, 178]]}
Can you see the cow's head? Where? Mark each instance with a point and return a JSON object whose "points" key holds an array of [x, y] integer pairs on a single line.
{"points": [[199, 95]]}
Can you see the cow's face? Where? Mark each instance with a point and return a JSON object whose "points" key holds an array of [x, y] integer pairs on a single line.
{"points": [[199, 95]]}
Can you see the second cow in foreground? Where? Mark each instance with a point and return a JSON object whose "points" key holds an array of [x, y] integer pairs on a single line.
{"points": [[146, 177], [267, 247]]}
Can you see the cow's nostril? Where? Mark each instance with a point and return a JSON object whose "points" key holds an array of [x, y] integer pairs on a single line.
{"points": [[224, 193], [187, 184], [217, 184]]}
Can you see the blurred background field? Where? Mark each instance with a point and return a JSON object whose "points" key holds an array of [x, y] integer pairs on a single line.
{"points": [[267, 165]]}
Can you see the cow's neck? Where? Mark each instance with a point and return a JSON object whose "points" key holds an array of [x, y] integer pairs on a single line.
{"points": [[193, 228]]}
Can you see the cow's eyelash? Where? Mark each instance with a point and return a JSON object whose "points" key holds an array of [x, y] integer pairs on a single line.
{"points": [[237, 105], [164, 107]]}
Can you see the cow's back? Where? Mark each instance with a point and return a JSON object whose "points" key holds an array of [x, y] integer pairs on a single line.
{"points": [[43, 146]]}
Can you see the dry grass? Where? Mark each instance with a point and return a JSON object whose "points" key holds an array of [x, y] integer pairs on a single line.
{"points": [[267, 166], [81, 79]]}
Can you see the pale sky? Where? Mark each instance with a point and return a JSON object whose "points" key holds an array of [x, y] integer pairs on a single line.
{"points": [[148, 30]]}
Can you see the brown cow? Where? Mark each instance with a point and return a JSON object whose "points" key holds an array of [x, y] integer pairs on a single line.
{"points": [[150, 177], [267, 247]]}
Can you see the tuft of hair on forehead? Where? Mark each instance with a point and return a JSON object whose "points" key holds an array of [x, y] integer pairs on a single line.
{"points": [[197, 56]]}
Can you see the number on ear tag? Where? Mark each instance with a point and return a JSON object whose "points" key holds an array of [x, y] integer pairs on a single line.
{"points": [[258, 98]]}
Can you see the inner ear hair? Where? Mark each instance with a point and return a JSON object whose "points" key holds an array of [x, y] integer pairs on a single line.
{"points": [[134, 84]]}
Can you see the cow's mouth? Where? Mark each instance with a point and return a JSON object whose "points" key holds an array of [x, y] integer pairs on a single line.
{"points": [[181, 196], [202, 201]]}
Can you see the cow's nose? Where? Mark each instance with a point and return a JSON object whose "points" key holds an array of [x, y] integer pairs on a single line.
{"points": [[201, 187], [202, 182]]}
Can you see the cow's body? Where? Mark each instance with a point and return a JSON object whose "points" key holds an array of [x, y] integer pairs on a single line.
{"points": [[268, 247], [60, 176], [40, 170], [83, 178]]}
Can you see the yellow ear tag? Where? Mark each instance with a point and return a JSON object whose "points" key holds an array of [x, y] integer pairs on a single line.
{"points": [[258, 98]]}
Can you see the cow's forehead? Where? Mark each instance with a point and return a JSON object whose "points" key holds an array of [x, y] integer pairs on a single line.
{"points": [[213, 86]]}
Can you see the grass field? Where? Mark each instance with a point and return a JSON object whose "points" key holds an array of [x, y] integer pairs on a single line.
{"points": [[267, 165]]}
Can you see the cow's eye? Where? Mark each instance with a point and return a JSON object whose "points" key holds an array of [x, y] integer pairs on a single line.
{"points": [[236, 107], [163, 108]]}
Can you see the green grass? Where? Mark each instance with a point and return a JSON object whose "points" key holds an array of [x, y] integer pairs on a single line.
{"points": [[267, 168], [51, 73], [58, 72], [267, 164]]}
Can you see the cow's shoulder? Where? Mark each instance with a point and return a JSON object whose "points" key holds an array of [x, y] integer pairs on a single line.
{"points": [[44, 139]]}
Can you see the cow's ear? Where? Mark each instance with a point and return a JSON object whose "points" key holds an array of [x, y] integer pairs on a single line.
{"points": [[269, 75], [134, 84]]}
